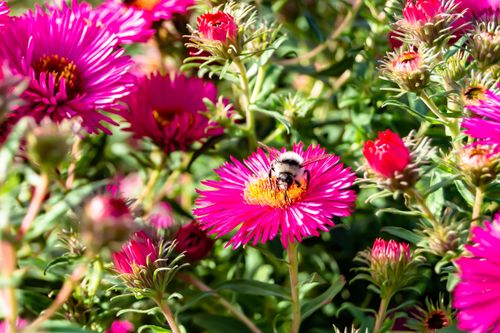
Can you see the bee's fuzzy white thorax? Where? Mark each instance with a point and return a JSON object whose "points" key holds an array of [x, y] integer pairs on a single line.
{"points": [[290, 155]]}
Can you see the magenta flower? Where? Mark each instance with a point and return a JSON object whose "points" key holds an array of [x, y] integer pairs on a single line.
{"points": [[139, 251], [170, 110], [478, 8], [120, 326], [258, 207], [75, 70], [219, 26], [152, 10], [193, 242], [477, 295], [420, 12], [4, 14], [128, 25], [162, 216], [387, 155], [487, 124], [20, 324], [390, 251]]}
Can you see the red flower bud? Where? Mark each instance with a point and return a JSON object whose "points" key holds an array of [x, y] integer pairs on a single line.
{"points": [[217, 26], [387, 155], [390, 251], [139, 251], [193, 241]]}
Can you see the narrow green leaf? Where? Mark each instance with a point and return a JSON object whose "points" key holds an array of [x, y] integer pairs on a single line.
{"points": [[309, 307], [252, 287], [405, 234]]}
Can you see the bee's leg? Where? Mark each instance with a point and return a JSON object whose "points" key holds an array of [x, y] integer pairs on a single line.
{"points": [[286, 195], [308, 178]]}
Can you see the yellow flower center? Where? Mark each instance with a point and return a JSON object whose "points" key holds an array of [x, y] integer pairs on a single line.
{"points": [[265, 192], [142, 4], [60, 68], [474, 94]]}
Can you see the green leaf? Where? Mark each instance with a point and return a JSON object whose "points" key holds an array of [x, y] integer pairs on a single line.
{"points": [[396, 211], [11, 147], [218, 324], [309, 307], [435, 200], [464, 191], [154, 329], [67, 259], [63, 326], [403, 233], [252, 287]]}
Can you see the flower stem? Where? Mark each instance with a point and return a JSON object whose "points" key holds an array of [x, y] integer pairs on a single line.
{"points": [[478, 202], [293, 268], [233, 310], [245, 101], [433, 107], [72, 167], [61, 298], [384, 303], [153, 178], [167, 312], [41, 190], [422, 205], [8, 293]]}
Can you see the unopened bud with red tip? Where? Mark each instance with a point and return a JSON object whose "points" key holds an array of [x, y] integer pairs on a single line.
{"points": [[193, 242], [480, 162], [107, 221], [219, 26]]}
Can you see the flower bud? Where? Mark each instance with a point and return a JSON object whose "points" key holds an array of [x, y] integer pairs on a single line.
{"points": [[107, 220], [120, 326], [219, 26], [441, 240], [485, 44], [138, 252], [48, 145], [161, 216], [480, 162], [408, 69], [193, 242]]}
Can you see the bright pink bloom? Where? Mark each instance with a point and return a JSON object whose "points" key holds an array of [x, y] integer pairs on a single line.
{"points": [[477, 295], [193, 241], [487, 124], [152, 10], [162, 216], [107, 208], [75, 70], [248, 201], [217, 26], [390, 251], [170, 110], [20, 324], [419, 12], [121, 326], [478, 8], [139, 251], [4, 14], [387, 155]]}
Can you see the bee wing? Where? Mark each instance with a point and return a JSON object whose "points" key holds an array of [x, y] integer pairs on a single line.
{"points": [[273, 152], [316, 159]]}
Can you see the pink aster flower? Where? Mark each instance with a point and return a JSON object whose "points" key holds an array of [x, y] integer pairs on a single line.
{"points": [[153, 10], [170, 110], [477, 295], [219, 26], [129, 26], [487, 124], [75, 69], [120, 326], [4, 14], [258, 205], [387, 155], [420, 12], [139, 251], [20, 324], [478, 8]]}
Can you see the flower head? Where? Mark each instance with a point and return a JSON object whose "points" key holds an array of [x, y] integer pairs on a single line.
{"points": [[161, 216], [474, 9], [193, 242], [20, 324], [390, 265], [407, 68], [120, 326], [75, 69], [487, 123], [219, 26], [432, 317], [476, 296], [138, 252], [485, 43], [153, 10], [420, 12], [387, 155], [106, 220], [170, 110], [480, 162], [258, 207]]}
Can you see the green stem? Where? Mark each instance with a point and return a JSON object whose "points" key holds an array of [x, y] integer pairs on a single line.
{"points": [[245, 101], [433, 107], [274, 134], [167, 312], [384, 303], [152, 181], [422, 205], [259, 81], [293, 268], [478, 202]]}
